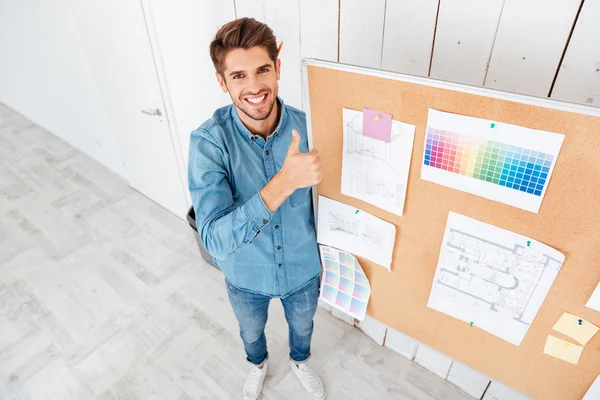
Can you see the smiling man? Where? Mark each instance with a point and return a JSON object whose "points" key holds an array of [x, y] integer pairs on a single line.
{"points": [[250, 174]]}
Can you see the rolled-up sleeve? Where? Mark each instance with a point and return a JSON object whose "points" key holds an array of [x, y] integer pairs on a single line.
{"points": [[223, 228]]}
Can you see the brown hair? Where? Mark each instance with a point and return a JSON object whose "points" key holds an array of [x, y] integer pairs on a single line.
{"points": [[242, 33]]}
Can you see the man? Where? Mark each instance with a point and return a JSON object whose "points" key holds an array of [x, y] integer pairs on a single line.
{"points": [[250, 174]]}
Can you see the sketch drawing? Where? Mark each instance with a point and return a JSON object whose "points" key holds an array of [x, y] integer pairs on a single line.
{"points": [[338, 223], [342, 226], [363, 183], [369, 235], [366, 146], [374, 170]]}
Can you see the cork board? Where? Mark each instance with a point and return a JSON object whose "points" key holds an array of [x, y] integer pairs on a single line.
{"points": [[569, 220]]}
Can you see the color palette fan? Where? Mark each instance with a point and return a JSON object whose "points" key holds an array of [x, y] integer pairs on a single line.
{"points": [[344, 285]]}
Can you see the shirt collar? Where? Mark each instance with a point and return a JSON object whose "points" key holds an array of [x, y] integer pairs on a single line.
{"points": [[249, 135]]}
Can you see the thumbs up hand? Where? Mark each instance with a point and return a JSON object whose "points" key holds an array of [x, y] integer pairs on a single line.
{"points": [[299, 169], [295, 143]]}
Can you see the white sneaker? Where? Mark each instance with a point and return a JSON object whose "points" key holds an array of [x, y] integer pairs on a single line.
{"points": [[254, 382], [310, 380]]}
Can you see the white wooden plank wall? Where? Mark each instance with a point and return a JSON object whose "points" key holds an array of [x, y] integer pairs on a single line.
{"points": [[471, 381], [579, 76], [514, 45], [284, 18], [408, 36], [319, 29], [464, 39], [361, 32], [530, 41], [506, 44]]}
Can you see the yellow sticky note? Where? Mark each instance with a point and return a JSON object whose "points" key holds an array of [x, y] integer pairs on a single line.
{"points": [[570, 325], [564, 350]]}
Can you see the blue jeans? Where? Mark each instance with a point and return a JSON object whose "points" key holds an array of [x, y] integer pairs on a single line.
{"points": [[251, 310]]}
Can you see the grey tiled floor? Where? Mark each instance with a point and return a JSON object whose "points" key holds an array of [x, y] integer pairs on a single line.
{"points": [[103, 295]]}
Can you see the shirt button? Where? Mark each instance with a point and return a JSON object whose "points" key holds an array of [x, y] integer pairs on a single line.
{"points": [[276, 226], [265, 221], [279, 265], [254, 137], [278, 247], [267, 152]]}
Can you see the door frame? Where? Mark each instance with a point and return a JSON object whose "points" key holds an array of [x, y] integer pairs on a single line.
{"points": [[166, 98]]}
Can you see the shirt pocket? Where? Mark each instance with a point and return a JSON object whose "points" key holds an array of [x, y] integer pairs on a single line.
{"points": [[299, 196]]}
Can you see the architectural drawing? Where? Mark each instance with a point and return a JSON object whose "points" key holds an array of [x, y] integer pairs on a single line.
{"points": [[370, 236], [492, 277], [342, 226], [366, 184], [492, 274], [366, 146], [373, 170]]}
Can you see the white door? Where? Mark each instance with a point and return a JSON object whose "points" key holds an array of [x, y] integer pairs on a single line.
{"points": [[116, 38]]}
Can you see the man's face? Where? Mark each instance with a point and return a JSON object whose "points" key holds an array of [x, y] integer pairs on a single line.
{"points": [[251, 80]]}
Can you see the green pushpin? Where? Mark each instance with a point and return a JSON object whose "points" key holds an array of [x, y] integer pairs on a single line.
{"points": [[471, 324], [356, 212], [492, 125], [528, 243]]}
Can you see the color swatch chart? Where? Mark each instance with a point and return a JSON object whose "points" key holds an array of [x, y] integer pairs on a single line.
{"points": [[498, 163], [344, 285]]}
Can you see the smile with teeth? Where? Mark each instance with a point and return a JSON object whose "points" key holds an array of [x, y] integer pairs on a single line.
{"points": [[256, 100]]}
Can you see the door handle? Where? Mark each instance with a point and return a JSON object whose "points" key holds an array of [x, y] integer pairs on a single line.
{"points": [[152, 112]]}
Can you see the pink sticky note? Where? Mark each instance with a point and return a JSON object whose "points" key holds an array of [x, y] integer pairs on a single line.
{"points": [[377, 124]]}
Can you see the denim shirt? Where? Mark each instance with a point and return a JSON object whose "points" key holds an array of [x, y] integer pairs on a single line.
{"points": [[264, 252]]}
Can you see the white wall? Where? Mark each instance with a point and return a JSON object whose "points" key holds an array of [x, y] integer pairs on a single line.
{"points": [[507, 44], [408, 35], [579, 76], [464, 40], [529, 44], [361, 32], [45, 75], [321, 43]]}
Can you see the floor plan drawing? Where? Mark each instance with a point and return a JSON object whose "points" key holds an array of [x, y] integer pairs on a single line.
{"points": [[492, 278], [374, 170], [356, 231]]}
